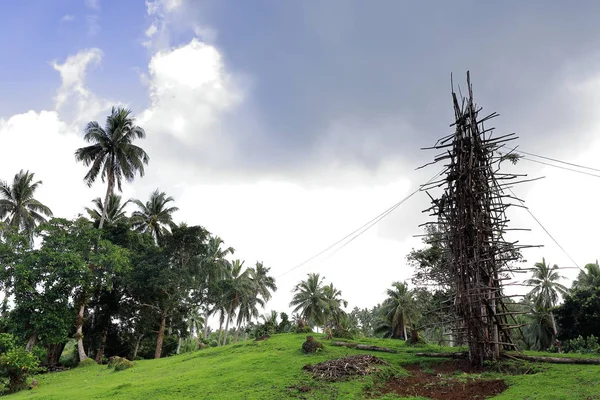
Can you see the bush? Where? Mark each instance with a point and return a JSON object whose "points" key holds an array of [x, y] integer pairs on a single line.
{"points": [[88, 362], [7, 342], [119, 363], [17, 365], [582, 345]]}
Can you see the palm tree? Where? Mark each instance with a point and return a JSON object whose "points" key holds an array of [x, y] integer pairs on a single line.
{"points": [[18, 207], [398, 309], [546, 289], [588, 279], [263, 283], [154, 217], [217, 268], [310, 300], [112, 154], [115, 211], [238, 287], [334, 304]]}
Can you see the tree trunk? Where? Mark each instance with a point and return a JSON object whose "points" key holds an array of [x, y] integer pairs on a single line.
{"points": [[109, 190], [404, 331], [205, 324], [79, 333], [364, 347], [178, 344], [237, 332], [100, 351], [161, 334], [220, 332], [227, 327], [53, 352], [137, 347], [31, 341]]}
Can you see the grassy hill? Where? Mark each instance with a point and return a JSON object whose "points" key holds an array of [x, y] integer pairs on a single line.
{"points": [[272, 369]]}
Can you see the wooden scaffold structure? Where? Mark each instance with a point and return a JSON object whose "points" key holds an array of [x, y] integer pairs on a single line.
{"points": [[471, 214]]}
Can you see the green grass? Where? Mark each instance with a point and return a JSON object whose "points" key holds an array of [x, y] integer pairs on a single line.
{"points": [[267, 370]]}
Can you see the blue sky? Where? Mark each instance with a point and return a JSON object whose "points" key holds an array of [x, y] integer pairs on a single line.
{"points": [[282, 126]]}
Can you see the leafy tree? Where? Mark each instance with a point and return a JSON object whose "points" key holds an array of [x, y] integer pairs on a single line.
{"points": [[579, 315], [164, 283], [589, 278], [112, 154], [115, 212], [154, 217], [310, 300], [18, 207]]}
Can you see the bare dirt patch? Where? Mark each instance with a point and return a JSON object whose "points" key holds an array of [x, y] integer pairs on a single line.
{"points": [[343, 368], [441, 382]]}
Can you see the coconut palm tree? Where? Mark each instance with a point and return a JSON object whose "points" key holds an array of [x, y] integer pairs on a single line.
{"points": [[588, 279], [398, 309], [546, 289], [238, 287], [263, 283], [310, 300], [154, 216], [334, 312], [112, 154], [18, 207], [115, 211]]}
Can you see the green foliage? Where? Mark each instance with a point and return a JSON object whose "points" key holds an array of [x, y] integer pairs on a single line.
{"points": [[579, 315], [17, 365], [7, 342], [582, 345]]}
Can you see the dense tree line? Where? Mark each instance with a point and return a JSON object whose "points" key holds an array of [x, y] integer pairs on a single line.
{"points": [[118, 283]]}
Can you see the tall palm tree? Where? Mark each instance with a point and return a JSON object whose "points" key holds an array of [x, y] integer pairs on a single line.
{"points": [[310, 300], [238, 287], [18, 207], [263, 283], [115, 211], [546, 288], [154, 217], [334, 312], [588, 279], [398, 309], [217, 266], [112, 154]]}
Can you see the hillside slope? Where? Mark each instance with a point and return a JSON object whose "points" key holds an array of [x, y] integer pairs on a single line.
{"points": [[272, 369]]}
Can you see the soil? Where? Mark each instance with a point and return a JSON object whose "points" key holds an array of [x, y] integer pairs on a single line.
{"points": [[439, 382]]}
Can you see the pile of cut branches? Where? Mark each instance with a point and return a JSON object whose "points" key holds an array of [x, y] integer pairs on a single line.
{"points": [[344, 368]]}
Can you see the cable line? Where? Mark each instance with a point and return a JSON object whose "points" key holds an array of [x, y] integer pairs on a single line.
{"points": [[556, 160], [360, 230], [545, 230], [558, 166]]}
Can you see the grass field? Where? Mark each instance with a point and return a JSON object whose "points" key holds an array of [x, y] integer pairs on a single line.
{"points": [[272, 369]]}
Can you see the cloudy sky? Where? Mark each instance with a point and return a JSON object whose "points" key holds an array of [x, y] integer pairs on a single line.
{"points": [[284, 126]]}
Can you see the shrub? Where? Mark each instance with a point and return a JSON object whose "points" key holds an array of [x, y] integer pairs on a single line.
{"points": [[582, 345], [123, 364], [7, 342], [88, 362], [119, 363], [17, 365]]}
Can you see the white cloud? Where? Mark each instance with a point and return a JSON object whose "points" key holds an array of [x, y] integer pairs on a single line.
{"points": [[67, 18], [93, 24], [190, 90], [73, 98], [93, 4]]}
